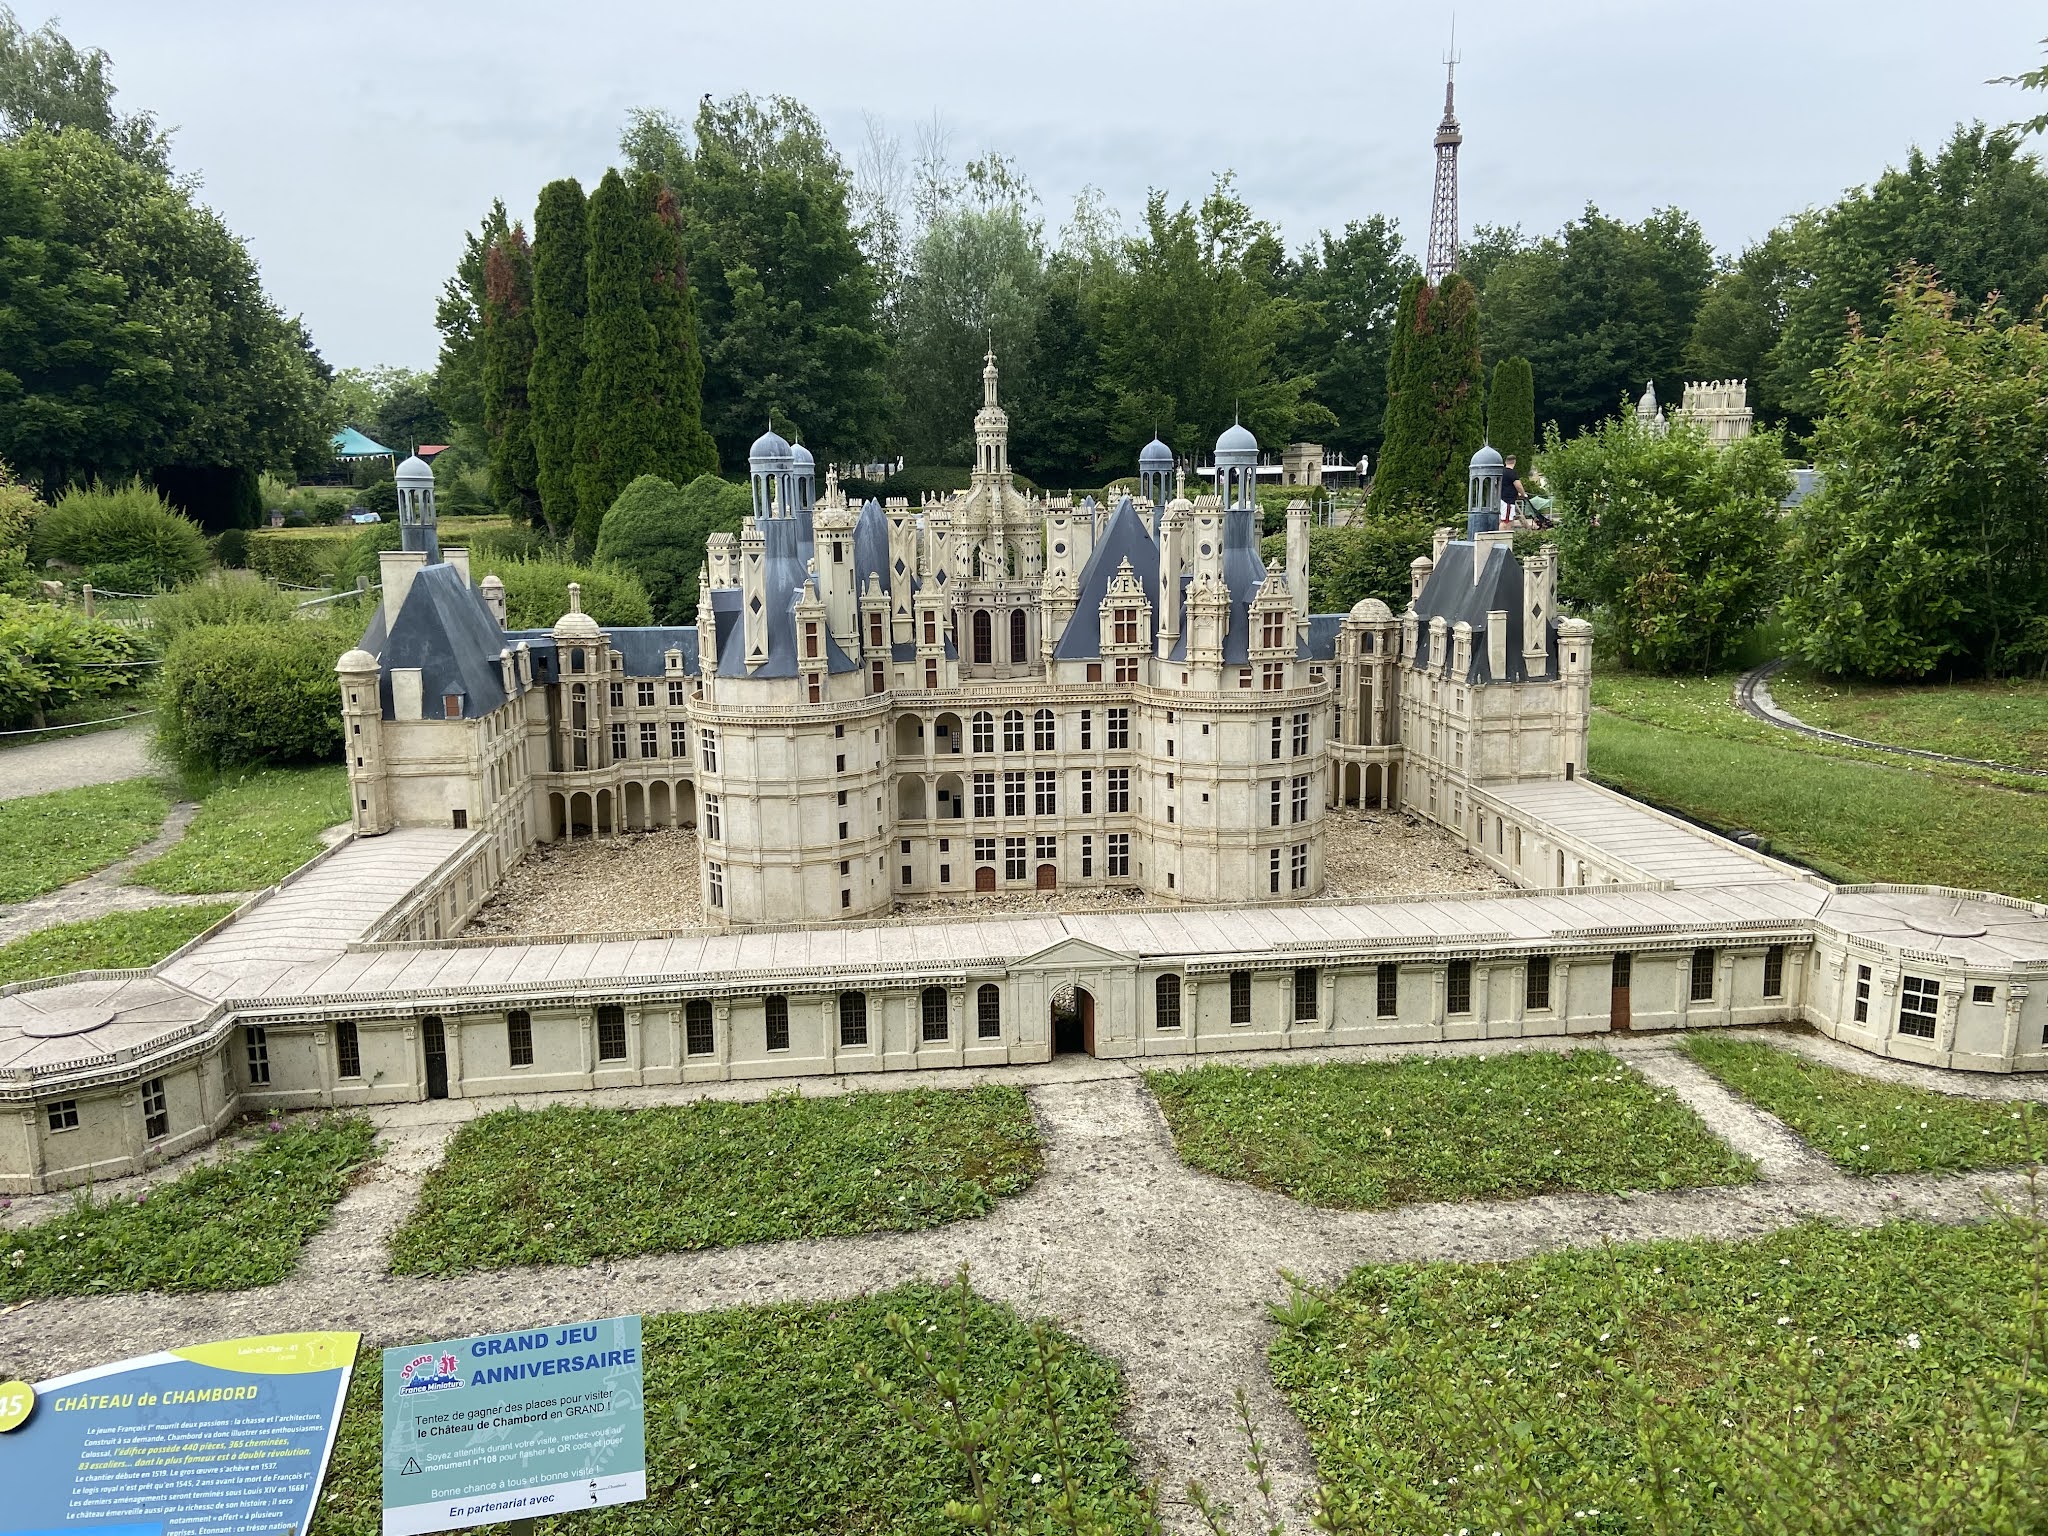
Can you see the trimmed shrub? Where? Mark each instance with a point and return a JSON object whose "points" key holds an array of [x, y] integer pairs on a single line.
{"points": [[658, 532], [51, 657], [225, 598], [359, 557], [231, 549], [304, 561], [537, 592], [125, 533], [237, 694]]}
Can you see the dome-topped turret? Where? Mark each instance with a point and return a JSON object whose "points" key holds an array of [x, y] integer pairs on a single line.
{"points": [[1237, 438], [801, 457], [1488, 457], [1155, 455], [770, 450], [1371, 611], [415, 471]]}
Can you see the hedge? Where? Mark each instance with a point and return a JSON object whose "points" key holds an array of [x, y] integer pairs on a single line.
{"points": [[537, 593], [305, 560], [235, 694]]}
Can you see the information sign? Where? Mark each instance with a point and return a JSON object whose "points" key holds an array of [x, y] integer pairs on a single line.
{"points": [[509, 1426], [228, 1439]]}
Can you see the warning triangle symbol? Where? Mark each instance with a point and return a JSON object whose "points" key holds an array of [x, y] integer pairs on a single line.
{"points": [[409, 1468]]}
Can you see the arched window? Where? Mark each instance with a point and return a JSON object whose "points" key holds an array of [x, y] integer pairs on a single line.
{"points": [[988, 1012], [576, 659], [1013, 733], [984, 731], [1043, 738], [1166, 1002], [984, 638], [1018, 651], [853, 1018], [933, 1012]]}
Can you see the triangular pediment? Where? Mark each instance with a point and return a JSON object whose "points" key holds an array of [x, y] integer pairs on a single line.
{"points": [[1068, 953]]}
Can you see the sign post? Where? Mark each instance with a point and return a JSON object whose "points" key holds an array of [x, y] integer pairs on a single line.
{"points": [[511, 1426], [229, 1439]]}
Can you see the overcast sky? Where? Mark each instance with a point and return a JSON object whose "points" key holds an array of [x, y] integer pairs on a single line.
{"points": [[353, 145]]}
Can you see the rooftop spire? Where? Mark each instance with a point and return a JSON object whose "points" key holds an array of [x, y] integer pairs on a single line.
{"points": [[1443, 208]]}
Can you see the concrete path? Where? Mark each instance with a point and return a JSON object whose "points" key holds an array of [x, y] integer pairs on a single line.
{"points": [[1166, 1270], [75, 760], [1753, 698]]}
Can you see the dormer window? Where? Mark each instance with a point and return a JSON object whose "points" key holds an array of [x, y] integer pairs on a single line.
{"points": [[1273, 630], [1126, 626], [811, 641], [451, 706]]}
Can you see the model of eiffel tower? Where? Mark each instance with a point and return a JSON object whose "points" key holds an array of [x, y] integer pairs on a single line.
{"points": [[1443, 203]]}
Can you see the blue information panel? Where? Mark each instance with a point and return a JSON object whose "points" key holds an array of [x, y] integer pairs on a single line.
{"points": [[508, 1426], [226, 1439]]}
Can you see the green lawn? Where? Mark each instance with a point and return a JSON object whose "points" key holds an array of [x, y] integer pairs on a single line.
{"points": [[1368, 1134], [50, 840], [251, 832], [110, 943], [758, 1424], [1867, 1126], [566, 1185], [1816, 1381], [2000, 721], [1852, 820], [221, 1226]]}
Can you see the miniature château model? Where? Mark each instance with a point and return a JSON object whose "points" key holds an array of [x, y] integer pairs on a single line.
{"points": [[982, 692], [1720, 409]]}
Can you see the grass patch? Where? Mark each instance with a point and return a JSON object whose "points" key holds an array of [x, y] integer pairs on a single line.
{"points": [[251, 832], [1361, 1135], [110, 943], [2001, 721], [50, 840], [1818, 1380], [1864, 1125], [1852, 820], [222, 1226], [758, 1424], [566, 1185]]}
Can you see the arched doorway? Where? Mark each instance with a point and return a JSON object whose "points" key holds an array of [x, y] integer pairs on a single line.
{"points": [[1372, 784], [1073, 1021], [1351, 784], [985, 877], [1048, 877]]}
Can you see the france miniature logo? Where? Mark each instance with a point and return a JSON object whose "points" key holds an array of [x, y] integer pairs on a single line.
{"points": [[429, 1373]]}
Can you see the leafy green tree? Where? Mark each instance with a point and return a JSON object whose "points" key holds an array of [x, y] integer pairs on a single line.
{"points": [[508, 361], [1925, 547], [1511, 412], [47, 82], [560, 281], [408, 411], [1976, 212], [1059, 419], [638, 411], [1675, 541], [788, 306], [1599, 309], [1370, 558], [1435, 401], [658, 532], [1192, 336], [459, 316], [1349, 287], [1739, 320]]}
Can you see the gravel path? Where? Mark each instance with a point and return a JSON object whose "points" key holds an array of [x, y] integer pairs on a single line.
{"points": [[1753, 698], [73, 761], [1166, 1270], [102, 891]]}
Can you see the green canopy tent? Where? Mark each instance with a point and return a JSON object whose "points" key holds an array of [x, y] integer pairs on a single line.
{"points": [[351, 444]]}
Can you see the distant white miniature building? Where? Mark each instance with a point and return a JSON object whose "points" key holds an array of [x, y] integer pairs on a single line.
{"points": [[1720, 409]]}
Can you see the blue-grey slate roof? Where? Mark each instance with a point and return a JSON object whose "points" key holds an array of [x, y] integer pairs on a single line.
{"points": [[1320, 643], [871, 549], [784, 573], [1452, 594], [446, 630], [1243, 573], [1125, 538]]}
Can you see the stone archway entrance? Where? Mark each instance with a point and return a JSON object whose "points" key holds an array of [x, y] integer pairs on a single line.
{"points": [[985, 878], [1073, 1021], [1048, 877]]}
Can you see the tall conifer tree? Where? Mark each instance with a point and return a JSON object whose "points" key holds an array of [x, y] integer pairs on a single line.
{"points": [[507, 361], [560, 281], [1436, 400], [1511, 411], [640, 411]]}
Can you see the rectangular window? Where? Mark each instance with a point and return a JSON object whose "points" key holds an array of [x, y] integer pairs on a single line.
{"points": [[1127, 669], [675, 693], [1388, 980], [853, 1018], [1119, 853], [519, 1037], [933, 1019], [988, 1012], [1087, 790], [1981, 993], [1919, 1002], [1774, 971], [1087, 857], [348, 1051], [1045, 849], [1862, 994], [1013, 792], [984, 850], [698, 1036], [1087, 729], [451, 706], [611, 1032], [1240, 997], [1458, 987], [1119, 730], [618, 695], [650, 738], [985, 794], [1536, 984], [644, 692], [1301, 734], [1272, 631], [1045, 792], [1273, 803], [1273, 871], [678, 738], [1272, 676], [775, 1006], [1702, 990], [1119, 790], [1044, 732], [842, 832], [156, 1113], [256, 1045], [1013, 731], [1305, 988], [1297, 868], [1297, 810], [63, 1114], [1125, 625], [1279, 731], [716, 884], [618, 735], [1166, 1003], [1015, 860], [813, 688], [707, 749]]}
